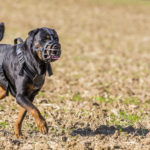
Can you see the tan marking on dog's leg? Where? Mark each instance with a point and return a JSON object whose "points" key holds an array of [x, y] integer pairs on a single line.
{"points": [[18, 124], [40, 121], [2, 92]]}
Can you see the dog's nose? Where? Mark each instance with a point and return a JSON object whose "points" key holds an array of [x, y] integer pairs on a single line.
{"points": [[55, 52]]}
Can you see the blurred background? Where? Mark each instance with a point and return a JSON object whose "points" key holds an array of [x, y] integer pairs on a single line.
{"points": [[102, 77]]}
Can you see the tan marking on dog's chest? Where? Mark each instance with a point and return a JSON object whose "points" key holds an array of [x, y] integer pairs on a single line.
{"points": [[39, 55], [37, 83]]}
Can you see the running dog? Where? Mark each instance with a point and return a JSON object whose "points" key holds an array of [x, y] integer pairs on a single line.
{"points": [[23, 70]]}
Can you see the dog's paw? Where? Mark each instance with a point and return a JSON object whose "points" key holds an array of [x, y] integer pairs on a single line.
{"points": [[18, 136], [42, 126], [17, 132]]}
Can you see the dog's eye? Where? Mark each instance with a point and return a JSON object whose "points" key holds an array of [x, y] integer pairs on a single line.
{"points": [[47, 37]]}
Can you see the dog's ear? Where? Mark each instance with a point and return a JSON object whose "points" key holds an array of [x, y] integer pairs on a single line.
{"points": [[33, 32], [2, 29], [29, 40]]}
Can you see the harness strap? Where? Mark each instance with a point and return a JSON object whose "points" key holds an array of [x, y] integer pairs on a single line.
{"points": [[19, 54], [49, 69], [31, 73], [23, 65]]}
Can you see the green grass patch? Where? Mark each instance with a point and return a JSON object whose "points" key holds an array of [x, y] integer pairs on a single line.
{"points": [[3, 124], [77, 97], [45, 114], [41, 93], [62, 98], [2, 108], [54, 130], [35, 129], [131, 100], [31, 127], [148, 101], [125, 119], [28, 125], [105, 100]]}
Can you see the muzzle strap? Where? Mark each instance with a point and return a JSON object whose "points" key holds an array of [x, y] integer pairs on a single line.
{"points": [[49, 69]]}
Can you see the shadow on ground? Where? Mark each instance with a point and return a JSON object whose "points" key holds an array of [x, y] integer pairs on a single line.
{"points": [[109, 130]]}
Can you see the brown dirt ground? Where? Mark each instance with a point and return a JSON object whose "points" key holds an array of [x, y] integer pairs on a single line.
{"points": [[99, 95]]}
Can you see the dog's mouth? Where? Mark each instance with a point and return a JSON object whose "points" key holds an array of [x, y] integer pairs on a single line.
{"points": [[54, 57]]}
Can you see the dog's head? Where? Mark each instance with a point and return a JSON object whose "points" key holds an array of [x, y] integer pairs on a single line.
{"points": [[44, 43], [2, 28]]}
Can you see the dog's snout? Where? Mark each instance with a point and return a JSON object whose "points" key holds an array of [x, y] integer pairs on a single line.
{"points": [[52, 50], [55, 52]]}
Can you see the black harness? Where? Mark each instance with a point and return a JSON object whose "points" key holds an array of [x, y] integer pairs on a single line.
{"points": [[24, 66]]}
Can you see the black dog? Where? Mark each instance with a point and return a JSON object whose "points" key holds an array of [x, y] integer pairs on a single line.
{"points": [[2, 28], [23, 71]]}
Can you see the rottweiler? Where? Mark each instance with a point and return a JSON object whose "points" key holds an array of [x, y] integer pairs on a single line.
{"points": [[23, 71]]}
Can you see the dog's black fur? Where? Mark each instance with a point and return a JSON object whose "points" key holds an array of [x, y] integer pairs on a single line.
{"points": [[21, 86], [2, 28]]}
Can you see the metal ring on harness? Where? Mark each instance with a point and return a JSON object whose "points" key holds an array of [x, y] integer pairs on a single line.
{"points": [[18, 39]]}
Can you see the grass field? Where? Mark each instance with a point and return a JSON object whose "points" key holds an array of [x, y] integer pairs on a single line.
{"points": [[99, 95]]}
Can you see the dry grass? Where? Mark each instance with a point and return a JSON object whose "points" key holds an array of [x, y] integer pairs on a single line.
{"points": [[99, 95]]}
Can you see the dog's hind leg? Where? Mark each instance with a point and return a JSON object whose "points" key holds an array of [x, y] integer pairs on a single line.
{"points": [[18, 124], [2, 92]]}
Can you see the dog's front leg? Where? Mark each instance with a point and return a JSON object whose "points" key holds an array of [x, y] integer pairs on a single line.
{"points": [[27, 105]]}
